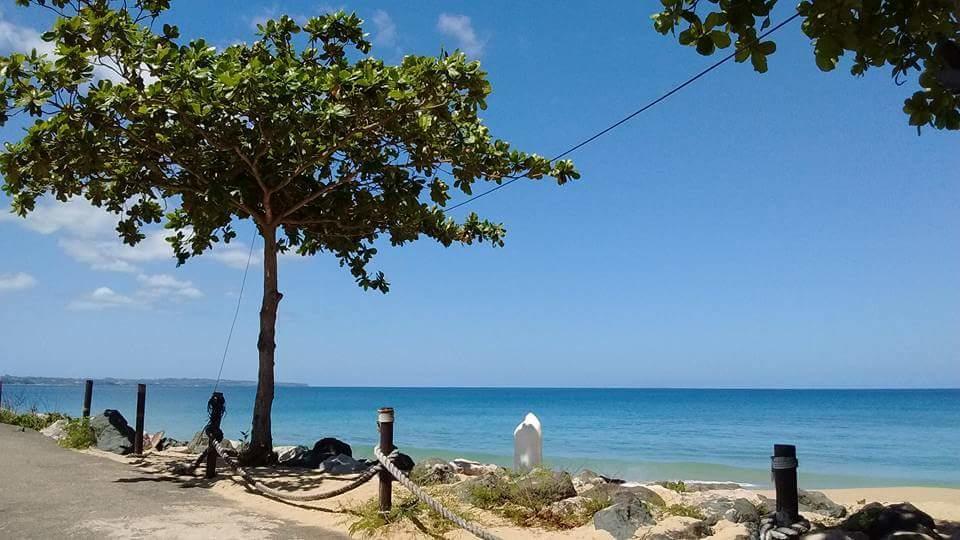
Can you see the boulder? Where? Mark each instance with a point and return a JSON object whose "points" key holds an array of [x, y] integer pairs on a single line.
{"points": [[618, 493], [467, 489], [623, 519], [815, 501], [546, 485], [112, 432], [469, 467], [198, 443], [56, 430], [293, 456], [342, 464], [166, 443], [727, 530], [835, 534], [432, 471], [879, 522], [709, 486], [404, 462], [150, 441], [329, 447], [678, 528], [742, 511]]}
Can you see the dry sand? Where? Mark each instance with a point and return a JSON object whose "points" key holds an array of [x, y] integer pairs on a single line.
{"points": [[941, 503]]}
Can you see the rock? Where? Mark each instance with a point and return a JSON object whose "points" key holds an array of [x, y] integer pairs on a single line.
{"points": [[433, 471], [294, 456], [545, 485], [878, 521], [562, 511], [835, 534], [198, 443], [404, 462], [112, 432], [727, 530], [329, 447], [623, 519], [342, 464], [906, 535], [151, 441], [56, 430], [678, 528], [815, 501], [168, 443], [617, 493], [742, 511], [489, 482], [472, 468]]}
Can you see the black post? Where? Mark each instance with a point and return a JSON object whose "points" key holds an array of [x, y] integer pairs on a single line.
{"points": [[141, 405], [216, 407], [385, 424], [784, 467], [1, 392], [87, 396]]}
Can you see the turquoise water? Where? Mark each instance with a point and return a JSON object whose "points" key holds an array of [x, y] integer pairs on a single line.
{"points": [[844, 438]]}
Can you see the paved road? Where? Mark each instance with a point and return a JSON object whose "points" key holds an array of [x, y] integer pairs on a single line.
{"points": [[49, 492]]}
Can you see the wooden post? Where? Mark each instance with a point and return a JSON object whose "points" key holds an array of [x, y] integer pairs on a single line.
{"points": [[214, 433], [141, 405], [385, 424], [87, 397], [1, 392], [784, 467]]}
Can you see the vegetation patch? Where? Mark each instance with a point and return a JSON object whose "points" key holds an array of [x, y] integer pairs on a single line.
{"points": [[684, 510], [78, 434], [677, 486], [30, 419], [539, 498], [370, 523]]}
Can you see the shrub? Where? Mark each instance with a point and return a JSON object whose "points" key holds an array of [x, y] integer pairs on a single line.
{"points": [[684, 510], [31, 420], [78, 434], [677, 486], [371, 523]]}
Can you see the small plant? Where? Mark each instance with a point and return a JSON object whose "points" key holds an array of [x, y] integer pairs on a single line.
{"points": [[78, 434], [677, 486], [31, 419], [684, 510], [371, 523]]}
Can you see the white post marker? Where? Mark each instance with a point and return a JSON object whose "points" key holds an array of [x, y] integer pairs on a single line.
{"points": [[527, 444]]}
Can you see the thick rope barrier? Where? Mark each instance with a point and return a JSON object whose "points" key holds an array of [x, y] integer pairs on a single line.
{"points": [[364, 477], [386, 463]]}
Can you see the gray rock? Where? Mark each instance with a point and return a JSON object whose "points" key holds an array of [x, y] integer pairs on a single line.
{"points": [[469, 467], [342, 464], [56, 430], [742, 511], [198, 443], [294, 456], [168, 442], [560, 510], [710, 486], [879, 522], [815, 501], [834, 534], [617, 493], [623, 519], [433, 471], [329, 447], [112, 432], [678, 528]]}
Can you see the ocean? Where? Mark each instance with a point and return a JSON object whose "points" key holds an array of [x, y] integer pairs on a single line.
{"points": [[844, 438]]}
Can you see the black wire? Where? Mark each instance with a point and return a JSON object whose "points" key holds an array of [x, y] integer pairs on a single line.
{"points": [[627, 118], [243, 283]]}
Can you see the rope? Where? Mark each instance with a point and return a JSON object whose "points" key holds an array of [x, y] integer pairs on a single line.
{"points": [[236, 312], [627, 118], [249, 479], [386, 463]]}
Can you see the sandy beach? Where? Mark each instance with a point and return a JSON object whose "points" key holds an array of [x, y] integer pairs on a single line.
{"points": [[334, 514]]}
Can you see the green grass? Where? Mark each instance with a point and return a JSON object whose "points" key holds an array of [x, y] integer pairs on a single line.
{"points": [[677, 486], [78, 434], [683, 510], [370, 523], [30, 419]]}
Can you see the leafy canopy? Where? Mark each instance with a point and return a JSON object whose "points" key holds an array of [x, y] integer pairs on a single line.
{"points": [[904, 34], [301, 131]]}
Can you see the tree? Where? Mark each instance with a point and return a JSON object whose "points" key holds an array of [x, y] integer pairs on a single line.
{"points": [[323, 147], [919, 35]]}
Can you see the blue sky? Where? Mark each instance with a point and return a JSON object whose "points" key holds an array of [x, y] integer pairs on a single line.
{"points": [[786, 229]]}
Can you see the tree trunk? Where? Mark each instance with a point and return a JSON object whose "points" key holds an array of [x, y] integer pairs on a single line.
{"points": [[261, 437]]}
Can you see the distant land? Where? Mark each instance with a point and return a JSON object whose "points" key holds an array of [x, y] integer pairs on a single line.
{"points": [[171, 381]]}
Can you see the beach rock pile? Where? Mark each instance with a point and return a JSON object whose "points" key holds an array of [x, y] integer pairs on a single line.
{"points": [[433, 471], [56, 430], [113, 432], [876, 521]]}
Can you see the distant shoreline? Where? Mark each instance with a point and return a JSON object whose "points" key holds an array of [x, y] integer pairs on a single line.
{"points": [[167, 381]]}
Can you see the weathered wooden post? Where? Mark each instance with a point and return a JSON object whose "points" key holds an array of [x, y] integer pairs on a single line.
{"points": [[385, 425], [784, 468], [87, 397], [216, 407], [141, 405], [1, 392]]}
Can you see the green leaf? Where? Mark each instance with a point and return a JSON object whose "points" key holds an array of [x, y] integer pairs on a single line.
{"points": [[720, 39], [759, 61], [705, 45]]}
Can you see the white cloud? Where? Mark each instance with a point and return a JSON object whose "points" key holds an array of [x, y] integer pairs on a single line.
{"points": [[166, 286], [102, 298], [88, 234], [16, 282], [461, 29], [14, 38], [386, 29]]}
